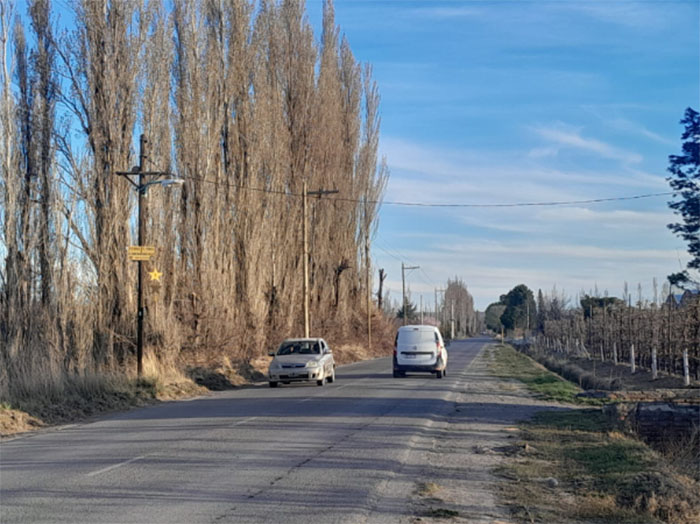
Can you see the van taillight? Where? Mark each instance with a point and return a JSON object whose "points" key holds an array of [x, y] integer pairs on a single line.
{"points": [[394, 351]]}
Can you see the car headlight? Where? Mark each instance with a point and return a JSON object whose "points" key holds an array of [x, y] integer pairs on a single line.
{"points": [[275, 366], [312, 364]]}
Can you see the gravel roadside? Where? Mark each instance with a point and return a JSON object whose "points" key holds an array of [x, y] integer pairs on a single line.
{"points": [[457, 459]]}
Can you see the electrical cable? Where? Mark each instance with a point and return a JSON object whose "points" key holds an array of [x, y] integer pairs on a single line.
{"points": [[438, 205]]}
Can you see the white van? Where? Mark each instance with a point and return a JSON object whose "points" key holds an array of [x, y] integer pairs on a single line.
{"points": [[419, 348]]}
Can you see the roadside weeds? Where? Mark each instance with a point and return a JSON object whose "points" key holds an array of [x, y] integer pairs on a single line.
{"points": [[81, 397], [574, 466]]}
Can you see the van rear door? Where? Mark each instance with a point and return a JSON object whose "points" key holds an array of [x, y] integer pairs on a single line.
{"points": [[415, 346]]}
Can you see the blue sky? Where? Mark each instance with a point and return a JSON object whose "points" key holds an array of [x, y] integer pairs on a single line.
{"points": [[515, 101]]}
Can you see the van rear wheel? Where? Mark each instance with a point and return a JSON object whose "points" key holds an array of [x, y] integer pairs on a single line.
{"points": [[438, 374]]}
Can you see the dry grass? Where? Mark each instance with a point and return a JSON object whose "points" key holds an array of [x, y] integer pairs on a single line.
{"points": [[56, 398], [34, 403], [601, 475], [427, 489]]}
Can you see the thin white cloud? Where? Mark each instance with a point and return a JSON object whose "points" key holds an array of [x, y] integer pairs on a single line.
{"points": [[644, 15], [567, 136], [491, 268], [543, 152], [628, 126], [449, 13], [617, 219], [430, 174]]}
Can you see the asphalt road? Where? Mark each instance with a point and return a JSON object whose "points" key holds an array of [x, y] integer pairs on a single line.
{"points": [[297, 453]]}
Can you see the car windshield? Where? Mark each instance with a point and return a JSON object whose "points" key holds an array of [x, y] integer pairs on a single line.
{"points": [[299, 348]]}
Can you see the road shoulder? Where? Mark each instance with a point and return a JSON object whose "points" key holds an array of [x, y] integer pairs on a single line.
{"points": [[457, 480]]}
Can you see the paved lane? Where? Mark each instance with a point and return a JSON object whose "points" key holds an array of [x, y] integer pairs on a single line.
{"points": [[298, 453]]}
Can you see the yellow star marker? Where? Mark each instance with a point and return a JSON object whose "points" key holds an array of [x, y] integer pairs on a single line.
{"points": [[155, 274]]}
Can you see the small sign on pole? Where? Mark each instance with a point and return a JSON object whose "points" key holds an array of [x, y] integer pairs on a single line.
{"points": [[141, 253]]}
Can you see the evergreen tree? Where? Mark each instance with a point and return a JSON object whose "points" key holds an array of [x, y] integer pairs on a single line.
{"points": [[541, 311], [521, 310], [492, 316], [411, 313], [685, 182]]}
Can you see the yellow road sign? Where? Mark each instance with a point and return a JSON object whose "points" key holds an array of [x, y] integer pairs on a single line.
{"points": [[141, 253], [142, 250]]}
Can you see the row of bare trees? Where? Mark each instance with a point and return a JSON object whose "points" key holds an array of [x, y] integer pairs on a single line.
{"points": [[458, 310], [237, 98], [662, 335]]}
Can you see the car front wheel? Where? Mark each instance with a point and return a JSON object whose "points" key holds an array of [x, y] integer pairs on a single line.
{"points": [[273, 384]]}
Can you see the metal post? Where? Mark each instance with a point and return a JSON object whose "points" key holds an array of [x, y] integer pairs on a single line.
{"points": [[306, 264], [141, 234], [142, 205]]}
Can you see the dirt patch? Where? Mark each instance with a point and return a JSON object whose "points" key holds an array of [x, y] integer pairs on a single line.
{"points": [[15, 421]]}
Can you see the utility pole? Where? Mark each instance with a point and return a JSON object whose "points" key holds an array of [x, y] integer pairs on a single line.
{"points": [[452, 320], [305, 206], [405, 268], [369, 289], [437, 313], [436, 306], [141, 189], [421, 309]]}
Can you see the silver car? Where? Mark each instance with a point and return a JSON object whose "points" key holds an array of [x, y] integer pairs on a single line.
{"points": [[302, 360]]}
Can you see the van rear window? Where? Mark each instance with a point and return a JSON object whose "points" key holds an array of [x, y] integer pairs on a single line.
{"points": [[415, 337]]}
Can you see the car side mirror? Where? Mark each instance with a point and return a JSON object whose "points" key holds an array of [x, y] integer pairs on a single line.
{"points": [[270, 353]]}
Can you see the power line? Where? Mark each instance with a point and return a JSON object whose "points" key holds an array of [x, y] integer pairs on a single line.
{"points": [[401, 258], [438, 205]]}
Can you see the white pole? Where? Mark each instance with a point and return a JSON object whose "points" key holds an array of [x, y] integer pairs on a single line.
{"points": [[633, 364]]}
